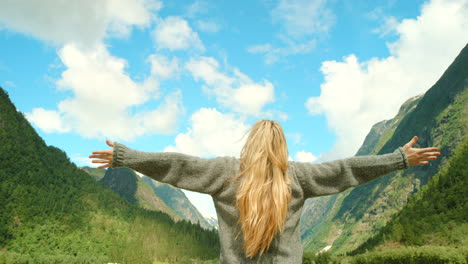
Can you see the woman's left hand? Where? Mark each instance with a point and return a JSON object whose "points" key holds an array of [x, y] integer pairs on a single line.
{"points": [[103, 156], [419, 156]]}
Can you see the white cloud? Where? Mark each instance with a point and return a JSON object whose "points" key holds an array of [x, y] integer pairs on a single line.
{"points": [[164, 119], [237, 92], [273, 54], [104, 97], [212, 133], [174, 33], [49, 121], [300, 21], [356, 95], [295, 138], [303, 156], [388, 27], [84, 22], [84, 161], [208, 26], [300, 18], [203, 202], [198, 7], [162, 67], [274, 114]]}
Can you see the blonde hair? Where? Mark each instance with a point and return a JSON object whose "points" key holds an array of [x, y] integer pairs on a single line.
{"points": [[264, 190]]}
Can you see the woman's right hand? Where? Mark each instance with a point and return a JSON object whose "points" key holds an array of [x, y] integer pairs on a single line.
{"points": [[419, 156], [103, 156]]}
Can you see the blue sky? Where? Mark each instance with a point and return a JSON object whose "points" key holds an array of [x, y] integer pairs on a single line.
{"points": [[193, 76]]}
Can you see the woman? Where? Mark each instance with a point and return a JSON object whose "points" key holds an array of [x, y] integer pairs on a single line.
{"points": [[259, 197]]}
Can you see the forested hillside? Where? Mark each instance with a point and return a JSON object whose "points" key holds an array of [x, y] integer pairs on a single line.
{"points": [[152, 195], [128, 185], [177, 201], [436, 215], [439, 118], [96, 173], [317, 218], [53, 212]]}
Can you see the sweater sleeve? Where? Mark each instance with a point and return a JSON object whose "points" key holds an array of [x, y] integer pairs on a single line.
{"points": [[336, 176], [180, 170]]}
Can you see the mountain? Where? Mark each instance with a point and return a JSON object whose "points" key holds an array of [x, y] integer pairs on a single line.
{"points": [[436, 215], [439, 117], [96, 173], [383, 130], [212, 221], [131, 188], [318, 213], [150, 194], [54, 212], [177, 201]]}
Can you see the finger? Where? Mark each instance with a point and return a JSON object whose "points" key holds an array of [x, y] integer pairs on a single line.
{"points": [[412, 141], [431, 154], [100, 156], [102, 151], [100, 161], [429, 158], [423, 162], [104, 166], [421, 150], [110, 144]]}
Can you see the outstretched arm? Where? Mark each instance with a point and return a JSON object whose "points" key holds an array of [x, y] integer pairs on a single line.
{"points": [[336, 176], [180, 170]]}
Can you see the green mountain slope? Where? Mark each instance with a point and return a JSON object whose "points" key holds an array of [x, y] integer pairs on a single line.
{"points": [[436, 215], [128, 185], [53, 212], [318, 213], [96, 173], [381, 132], [439, 118], [149, 194], [177, 201]]}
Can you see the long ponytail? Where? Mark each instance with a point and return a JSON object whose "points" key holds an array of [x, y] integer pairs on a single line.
{"points": [[264, 190]]}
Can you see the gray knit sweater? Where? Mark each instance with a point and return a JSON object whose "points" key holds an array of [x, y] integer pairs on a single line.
{"points": [[209, 176]]}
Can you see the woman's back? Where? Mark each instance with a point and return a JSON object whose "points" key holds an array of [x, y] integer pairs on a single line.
{"points": [[286, 247]]}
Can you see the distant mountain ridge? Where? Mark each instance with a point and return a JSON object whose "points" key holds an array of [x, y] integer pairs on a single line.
{"points": [[178, 202], [383, 130], [439, 118], [151, 195], [130, 187], [96, 173], [212, 221]]}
